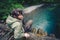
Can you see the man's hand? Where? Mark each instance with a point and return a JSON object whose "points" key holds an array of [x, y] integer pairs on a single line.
{"points": [[26, 35]]}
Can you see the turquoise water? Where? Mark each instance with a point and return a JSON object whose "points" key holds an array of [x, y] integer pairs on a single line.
{"points": [[42, 18]]}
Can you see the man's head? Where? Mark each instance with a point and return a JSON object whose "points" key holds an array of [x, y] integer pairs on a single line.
{"points": [[17, 13]]}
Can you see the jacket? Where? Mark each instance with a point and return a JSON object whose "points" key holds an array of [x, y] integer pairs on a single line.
{"points": [[16, 25]]}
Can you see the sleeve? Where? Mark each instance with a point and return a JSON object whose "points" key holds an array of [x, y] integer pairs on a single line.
{"points": [[18, 30]]}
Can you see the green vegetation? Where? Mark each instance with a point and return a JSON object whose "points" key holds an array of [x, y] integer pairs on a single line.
{"points": [[7, 5]]}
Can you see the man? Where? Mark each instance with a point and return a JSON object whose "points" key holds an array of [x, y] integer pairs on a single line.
{"points": [[14, 21]]}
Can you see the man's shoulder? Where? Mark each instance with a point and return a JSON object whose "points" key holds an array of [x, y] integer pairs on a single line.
{"points": [[16, 23]]}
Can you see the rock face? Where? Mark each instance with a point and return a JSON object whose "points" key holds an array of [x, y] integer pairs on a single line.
{"points": [[5, 33], [34, 37], [42, 38], [3, 29]]}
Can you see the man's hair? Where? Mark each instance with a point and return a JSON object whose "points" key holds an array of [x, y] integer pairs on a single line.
{"points": [[16, 12]]}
